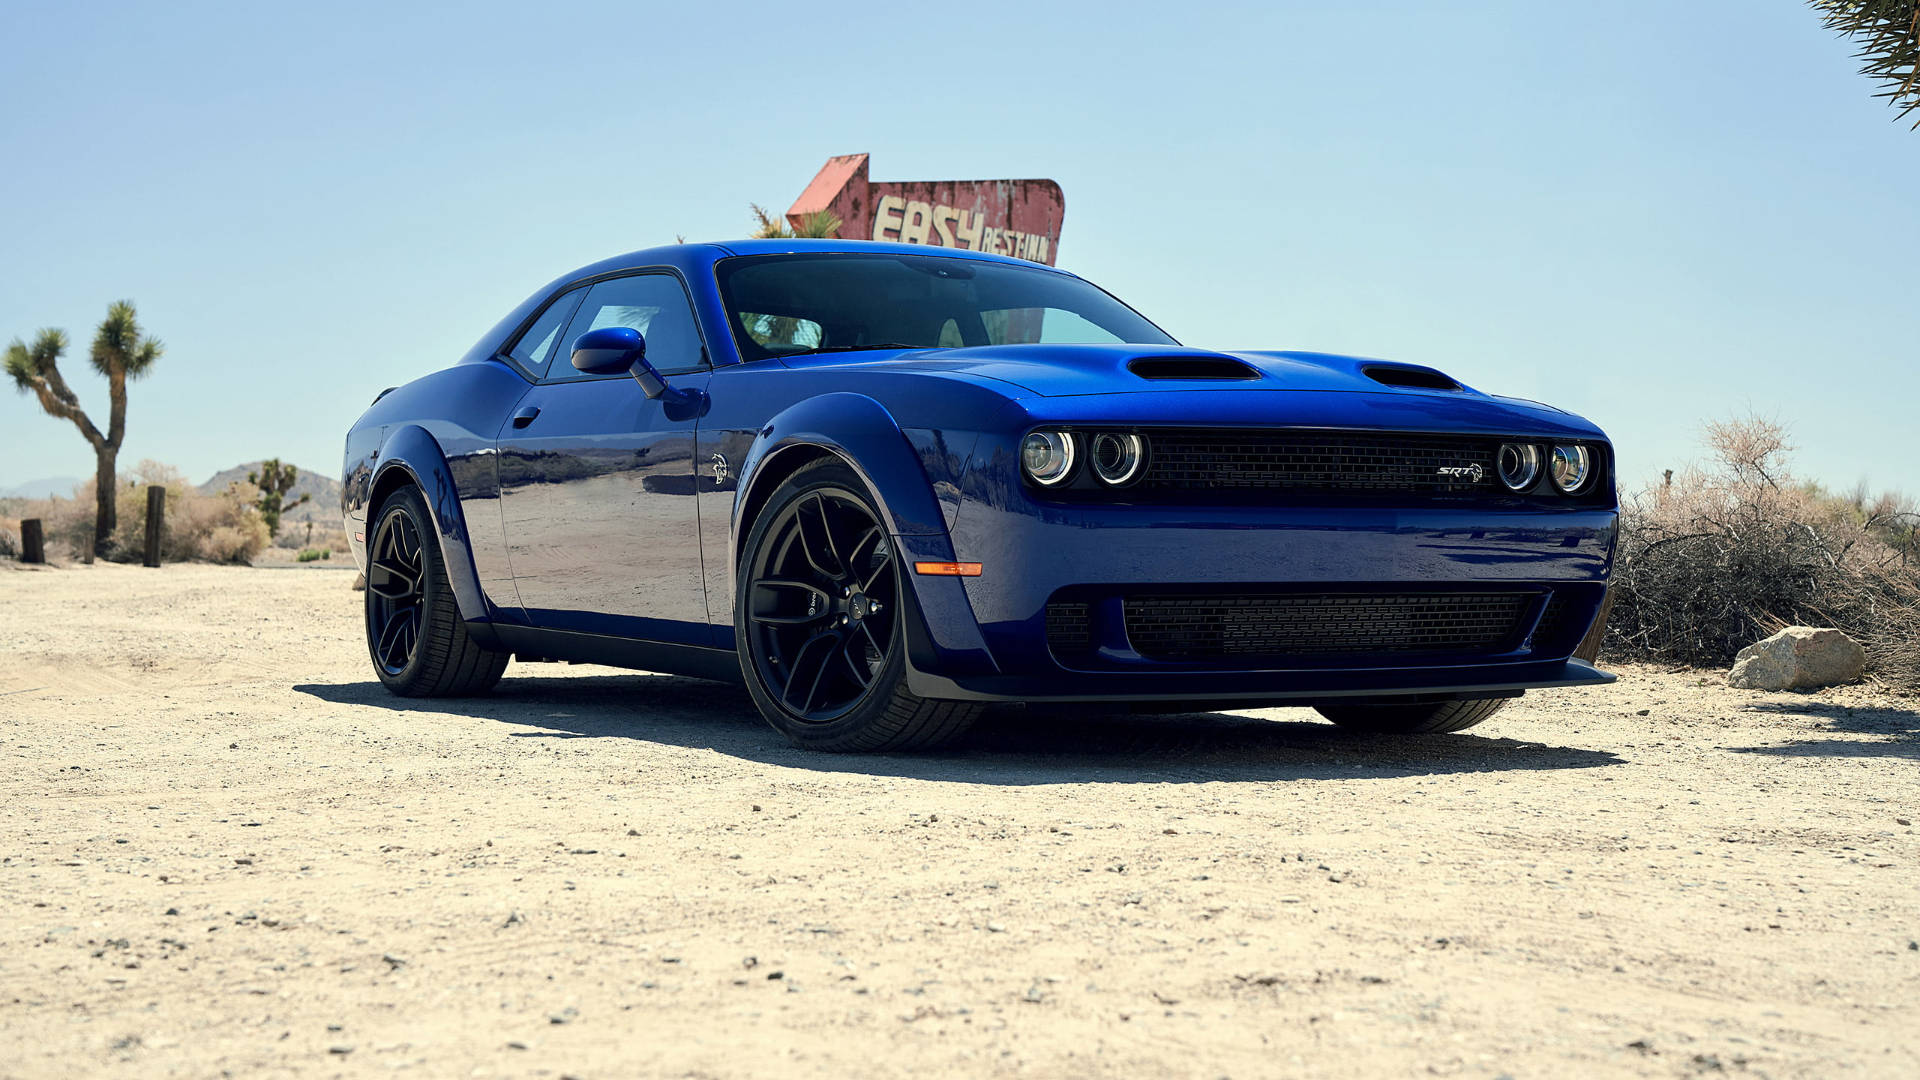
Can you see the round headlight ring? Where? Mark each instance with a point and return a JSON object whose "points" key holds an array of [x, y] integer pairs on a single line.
{"points": [[1047, 457], [1117, 459], [1572, 467], [1519, 465]]}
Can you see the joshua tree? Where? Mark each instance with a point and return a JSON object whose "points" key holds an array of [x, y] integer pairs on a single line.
{"points": [[274, 481], [121, 351], [1888, 32]]}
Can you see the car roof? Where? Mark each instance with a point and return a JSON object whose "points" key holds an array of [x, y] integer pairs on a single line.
{"points": [[684, 254]]}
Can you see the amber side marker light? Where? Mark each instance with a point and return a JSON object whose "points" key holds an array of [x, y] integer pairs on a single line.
{"points": [[948, 569]]}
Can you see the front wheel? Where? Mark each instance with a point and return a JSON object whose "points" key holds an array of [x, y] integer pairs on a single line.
{"points": [[820, 617], [418, 642], [1420, 718]]}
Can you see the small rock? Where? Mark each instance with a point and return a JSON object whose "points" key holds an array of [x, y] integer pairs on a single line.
{"points": [[996, 928], [171, 911], [393, 961], [1902, 821], [340, 1048], [1799, 658], [516, 1045], [774, 976], [513, 919], [1644, 712], [564, 1016]]}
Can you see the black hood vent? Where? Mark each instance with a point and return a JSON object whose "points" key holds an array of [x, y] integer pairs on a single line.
{"points": [[1192, 367], [1413, 378]]}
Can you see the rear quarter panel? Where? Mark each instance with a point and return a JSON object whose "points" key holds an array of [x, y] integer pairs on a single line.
{"points": [[460, 409]]}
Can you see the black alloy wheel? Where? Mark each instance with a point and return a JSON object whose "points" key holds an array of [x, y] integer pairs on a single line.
{"points": [[416, 638], [822, 605], [396, 592], [820, 621]]}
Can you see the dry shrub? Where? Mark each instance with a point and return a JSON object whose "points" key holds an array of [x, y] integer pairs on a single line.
{"points": [[221, 528], [1719, 557]]}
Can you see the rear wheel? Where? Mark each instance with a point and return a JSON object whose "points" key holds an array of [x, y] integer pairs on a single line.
{"points": [[820, 618], [1420, 718], [415, 635]]}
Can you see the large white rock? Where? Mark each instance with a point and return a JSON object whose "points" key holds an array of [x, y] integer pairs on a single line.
{"points": [[1799, 658]]}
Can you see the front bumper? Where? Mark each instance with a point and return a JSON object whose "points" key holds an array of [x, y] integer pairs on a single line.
{"points": [[987, 638]]}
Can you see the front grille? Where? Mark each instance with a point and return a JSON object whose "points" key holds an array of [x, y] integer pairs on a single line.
{"points": [[1213, 627], [1321, 462]]}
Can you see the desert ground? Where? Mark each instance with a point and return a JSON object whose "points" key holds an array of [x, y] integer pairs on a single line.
{"points": [[226, 851]]}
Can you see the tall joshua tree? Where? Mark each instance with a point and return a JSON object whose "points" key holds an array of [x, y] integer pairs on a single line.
{"points": [[1888, 33], [121, 352]]}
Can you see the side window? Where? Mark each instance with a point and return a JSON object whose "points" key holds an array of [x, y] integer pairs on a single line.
{"points": [[534, 351], [654, 304]]}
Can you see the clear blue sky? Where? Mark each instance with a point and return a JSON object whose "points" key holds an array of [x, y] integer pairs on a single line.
{"points": [[1649, 213]]}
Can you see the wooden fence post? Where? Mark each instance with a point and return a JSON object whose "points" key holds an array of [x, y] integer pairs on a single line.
{"points": [[156, 518], [33, 547]]}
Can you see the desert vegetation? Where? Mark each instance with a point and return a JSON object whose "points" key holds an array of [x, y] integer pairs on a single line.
{"points": [[1722, 554], [1888, 34], [222, 527]]}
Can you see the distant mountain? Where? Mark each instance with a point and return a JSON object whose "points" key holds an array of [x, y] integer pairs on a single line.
{"points": [[324, 506], [42, 489]]}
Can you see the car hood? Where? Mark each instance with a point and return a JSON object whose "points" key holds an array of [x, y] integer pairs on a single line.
{"points": [[1068, 371]]}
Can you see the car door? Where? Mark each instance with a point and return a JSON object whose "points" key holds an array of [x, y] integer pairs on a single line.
{"points": [[597, 481]]}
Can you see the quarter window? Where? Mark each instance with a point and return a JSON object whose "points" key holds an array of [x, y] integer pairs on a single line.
{"points": [[534, 351], [654, 304]]}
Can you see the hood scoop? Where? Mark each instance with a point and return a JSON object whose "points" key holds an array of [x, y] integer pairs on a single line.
{"points": [[1192, 367], [1412, 378]]}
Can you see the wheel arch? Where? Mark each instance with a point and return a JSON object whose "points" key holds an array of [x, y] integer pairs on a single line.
{"points": [[411, 456], [943, 634]]}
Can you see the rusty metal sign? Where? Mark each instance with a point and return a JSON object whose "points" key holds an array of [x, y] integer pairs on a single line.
{"points": [[1009, 217]]}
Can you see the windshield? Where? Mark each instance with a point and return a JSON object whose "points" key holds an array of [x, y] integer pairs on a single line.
{"points": [[781, 305]]}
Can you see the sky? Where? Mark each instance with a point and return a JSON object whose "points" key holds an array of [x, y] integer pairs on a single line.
{"points": [[1654, 217]]}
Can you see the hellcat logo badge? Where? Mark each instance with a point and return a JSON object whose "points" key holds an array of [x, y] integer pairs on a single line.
{"points": [[1463, 472], [719, 469]]}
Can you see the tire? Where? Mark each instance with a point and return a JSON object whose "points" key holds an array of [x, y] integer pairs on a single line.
{"points": [[820, 618], [1422, 718], [415, 636]]}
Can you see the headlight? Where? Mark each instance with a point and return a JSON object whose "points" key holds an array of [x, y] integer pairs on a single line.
{"points": [[1117, 458], [1048, 457], [1519, 466], [1572, 467]]}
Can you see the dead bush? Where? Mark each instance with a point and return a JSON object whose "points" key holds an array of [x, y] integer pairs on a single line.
{"points": [[221, 528], [1715, 558]]}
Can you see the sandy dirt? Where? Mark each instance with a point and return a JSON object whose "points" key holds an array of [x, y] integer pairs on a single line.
{"points": [[226, 851]]}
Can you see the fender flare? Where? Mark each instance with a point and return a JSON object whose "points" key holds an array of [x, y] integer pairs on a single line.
{"points": [[410, 454], [865, 436]]}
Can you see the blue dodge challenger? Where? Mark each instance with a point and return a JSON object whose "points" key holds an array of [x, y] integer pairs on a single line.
{"points": [[885, 486]]}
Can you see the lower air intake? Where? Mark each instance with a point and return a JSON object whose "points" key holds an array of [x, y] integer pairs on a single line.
{"points": [[1215, 627]]}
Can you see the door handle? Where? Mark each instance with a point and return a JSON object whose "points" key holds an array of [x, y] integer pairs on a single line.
{"points": [[525, 416]]}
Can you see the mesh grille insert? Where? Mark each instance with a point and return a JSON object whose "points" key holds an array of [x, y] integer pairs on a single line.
{"points": [[1068, 628], [1321, 461], [1210, 627]]}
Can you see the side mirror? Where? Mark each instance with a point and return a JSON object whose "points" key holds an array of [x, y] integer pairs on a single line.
{"points": [[610, 350], [620, 350]]}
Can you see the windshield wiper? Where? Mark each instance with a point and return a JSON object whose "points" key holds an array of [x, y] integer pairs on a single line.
{"points": [[853, 348]]}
